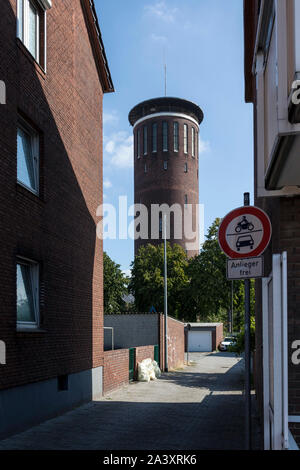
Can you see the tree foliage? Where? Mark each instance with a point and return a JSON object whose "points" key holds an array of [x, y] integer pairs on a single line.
{"points": [[114, 286], [208, 294], [147, 281]]}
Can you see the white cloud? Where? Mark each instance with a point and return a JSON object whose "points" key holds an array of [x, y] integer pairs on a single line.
{"points": [[119, 149], [110, 118], [157, 38], [162, 11], [107, 184], [127, 272], [204, 146]]}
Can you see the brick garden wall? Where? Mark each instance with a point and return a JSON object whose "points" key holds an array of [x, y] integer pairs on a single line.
{"points": [[175, 343], [219, 335], [116, 369]]}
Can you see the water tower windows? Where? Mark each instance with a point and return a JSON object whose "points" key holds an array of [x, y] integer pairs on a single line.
{"points": [[185, 167], [138, 143], [185, 138], [176, 137], [165, 136], [165, 165], [154, 137], [145, 168], [160, 222], [193, 142], [185, 200], [145, 140]]}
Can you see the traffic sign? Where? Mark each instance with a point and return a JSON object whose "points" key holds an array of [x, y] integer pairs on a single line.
{"points": [[245, 233], [248, 268]]}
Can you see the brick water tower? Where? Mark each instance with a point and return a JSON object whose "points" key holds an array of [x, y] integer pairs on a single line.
{"points": [[166, 169]]}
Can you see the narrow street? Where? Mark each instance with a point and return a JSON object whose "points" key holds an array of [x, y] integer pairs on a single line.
{"points": [[200, 408]]}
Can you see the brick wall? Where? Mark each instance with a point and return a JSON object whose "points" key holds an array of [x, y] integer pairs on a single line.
{"points": [[58, 228], [116, 369], [175, 343], [219, 335], [158, 186]]}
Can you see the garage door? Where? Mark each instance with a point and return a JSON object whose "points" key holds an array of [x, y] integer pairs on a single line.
{"points": [[200, 341]]}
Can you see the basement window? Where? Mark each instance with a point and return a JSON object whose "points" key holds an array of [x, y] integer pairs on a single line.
{"points": [[63, 383]]}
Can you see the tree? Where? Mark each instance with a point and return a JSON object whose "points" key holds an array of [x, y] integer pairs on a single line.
{"points": [[114, 286], [208, 294], [147, 281]]}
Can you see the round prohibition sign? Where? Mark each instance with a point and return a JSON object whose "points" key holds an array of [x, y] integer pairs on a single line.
{"points": [[245, 233]]}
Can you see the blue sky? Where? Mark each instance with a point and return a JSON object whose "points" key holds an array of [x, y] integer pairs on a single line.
{"points": [[202, 42]]}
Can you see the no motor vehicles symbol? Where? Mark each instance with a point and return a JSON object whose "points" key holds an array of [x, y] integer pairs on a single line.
{"points": [[245, 233]]}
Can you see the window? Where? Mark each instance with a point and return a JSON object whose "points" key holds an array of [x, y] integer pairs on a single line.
{"points": [[165, 165], [28, 157], [185, 167], [27, 293], [145, 168], [193, 142], [30, 30], [185, 200], [138, 143], [185, 138], [160, 223], [176, 137], [145, 145], [154, 137], [165, 136]]}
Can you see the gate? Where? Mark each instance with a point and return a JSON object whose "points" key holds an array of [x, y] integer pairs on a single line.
{"points": [[275, 351], [156, 353], [131, 363]]}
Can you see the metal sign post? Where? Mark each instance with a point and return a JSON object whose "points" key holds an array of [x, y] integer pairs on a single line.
{"points": [[244, 235], [248, 426]]}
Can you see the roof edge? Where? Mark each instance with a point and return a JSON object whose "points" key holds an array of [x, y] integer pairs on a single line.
{"points": [[91, 18]]}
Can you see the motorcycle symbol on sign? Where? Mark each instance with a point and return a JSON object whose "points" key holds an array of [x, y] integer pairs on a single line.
{"points": [[244, 224]]}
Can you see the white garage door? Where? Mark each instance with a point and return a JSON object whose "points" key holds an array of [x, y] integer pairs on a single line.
{"points": [[200, 341]]}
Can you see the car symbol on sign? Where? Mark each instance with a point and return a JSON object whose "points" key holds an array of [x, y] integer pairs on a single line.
{"points": [[244, 240]]}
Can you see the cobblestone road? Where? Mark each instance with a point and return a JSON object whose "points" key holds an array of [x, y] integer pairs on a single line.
{"points": [[200, 407]]}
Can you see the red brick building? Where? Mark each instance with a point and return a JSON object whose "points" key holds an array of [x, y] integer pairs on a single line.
{"points": [[166, 169], [53, 64], [272, 66]]}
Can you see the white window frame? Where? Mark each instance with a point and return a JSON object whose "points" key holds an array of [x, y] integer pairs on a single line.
{"points": [[138, 143], [23, 32], [145, 140], [193, 142], [154, 137], [185, 139], [35, 280], [165, 136], [176, 136], [35, 147]]}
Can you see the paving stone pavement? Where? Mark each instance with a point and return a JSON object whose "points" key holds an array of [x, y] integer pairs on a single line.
{"points": [[198, 408]]}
